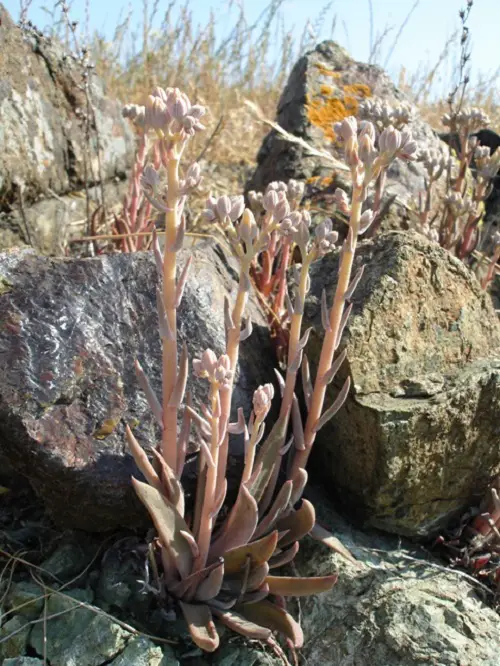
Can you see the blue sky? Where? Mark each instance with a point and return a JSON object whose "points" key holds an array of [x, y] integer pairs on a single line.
{"points": [[420, 43]]}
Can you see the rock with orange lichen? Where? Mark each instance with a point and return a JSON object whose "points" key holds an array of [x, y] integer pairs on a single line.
{"points": [[325, 86]]}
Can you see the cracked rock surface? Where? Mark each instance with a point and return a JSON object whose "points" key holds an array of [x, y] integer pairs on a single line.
{"points": [[71, 330], [42, 139]]}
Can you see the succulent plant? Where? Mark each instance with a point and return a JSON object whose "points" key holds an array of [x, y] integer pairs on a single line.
{"points": [[216, 563]]}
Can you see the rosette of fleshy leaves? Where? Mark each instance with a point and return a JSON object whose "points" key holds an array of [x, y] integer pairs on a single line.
{"points": [[226, 569]]}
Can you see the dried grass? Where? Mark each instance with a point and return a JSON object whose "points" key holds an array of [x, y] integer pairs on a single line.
{"points": [[221, 67]]}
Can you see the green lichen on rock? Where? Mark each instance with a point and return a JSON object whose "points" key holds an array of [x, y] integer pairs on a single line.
{"points": [[5, 286]]}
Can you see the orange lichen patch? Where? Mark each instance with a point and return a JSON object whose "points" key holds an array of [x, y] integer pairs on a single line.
{"points": [[351, 104], [327, 72], [326, 90], [358, 90], [325, 113]]}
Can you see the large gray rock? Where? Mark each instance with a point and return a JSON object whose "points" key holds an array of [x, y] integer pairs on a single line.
{"points": [[79, 634], [418, 436], [399, 607], [43, 132], [325, 85], [71, 330]]}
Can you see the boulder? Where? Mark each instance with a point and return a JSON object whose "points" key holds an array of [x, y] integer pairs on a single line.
{"points": [[399, 605], [71, 330], [417, 439], [44, 150], [326, 85]]}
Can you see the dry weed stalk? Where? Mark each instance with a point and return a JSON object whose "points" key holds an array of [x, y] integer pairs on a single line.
{"points": [[214, 566]]}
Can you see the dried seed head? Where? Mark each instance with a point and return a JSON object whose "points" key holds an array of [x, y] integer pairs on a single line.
{"points": [[262, 399]]}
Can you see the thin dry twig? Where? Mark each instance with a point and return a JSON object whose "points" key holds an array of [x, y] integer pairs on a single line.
{"points": [[337, 164]]}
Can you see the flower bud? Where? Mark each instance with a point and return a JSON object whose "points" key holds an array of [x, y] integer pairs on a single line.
{"points": [[135, 113], [205, 366], [255, 200], [367, 151], [301, 235], [389, 141], [237, 207], [193, 176], [210, 212], [290, 224], [367, 129], [262, 399], [156, 114], [223, 207], [282, 208], [325, 238], [270, 200], [347, 128], [342, 201], [150, 178], [295, 190], [278, 186], [222, 372], [247, 228], [365, 221]]}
